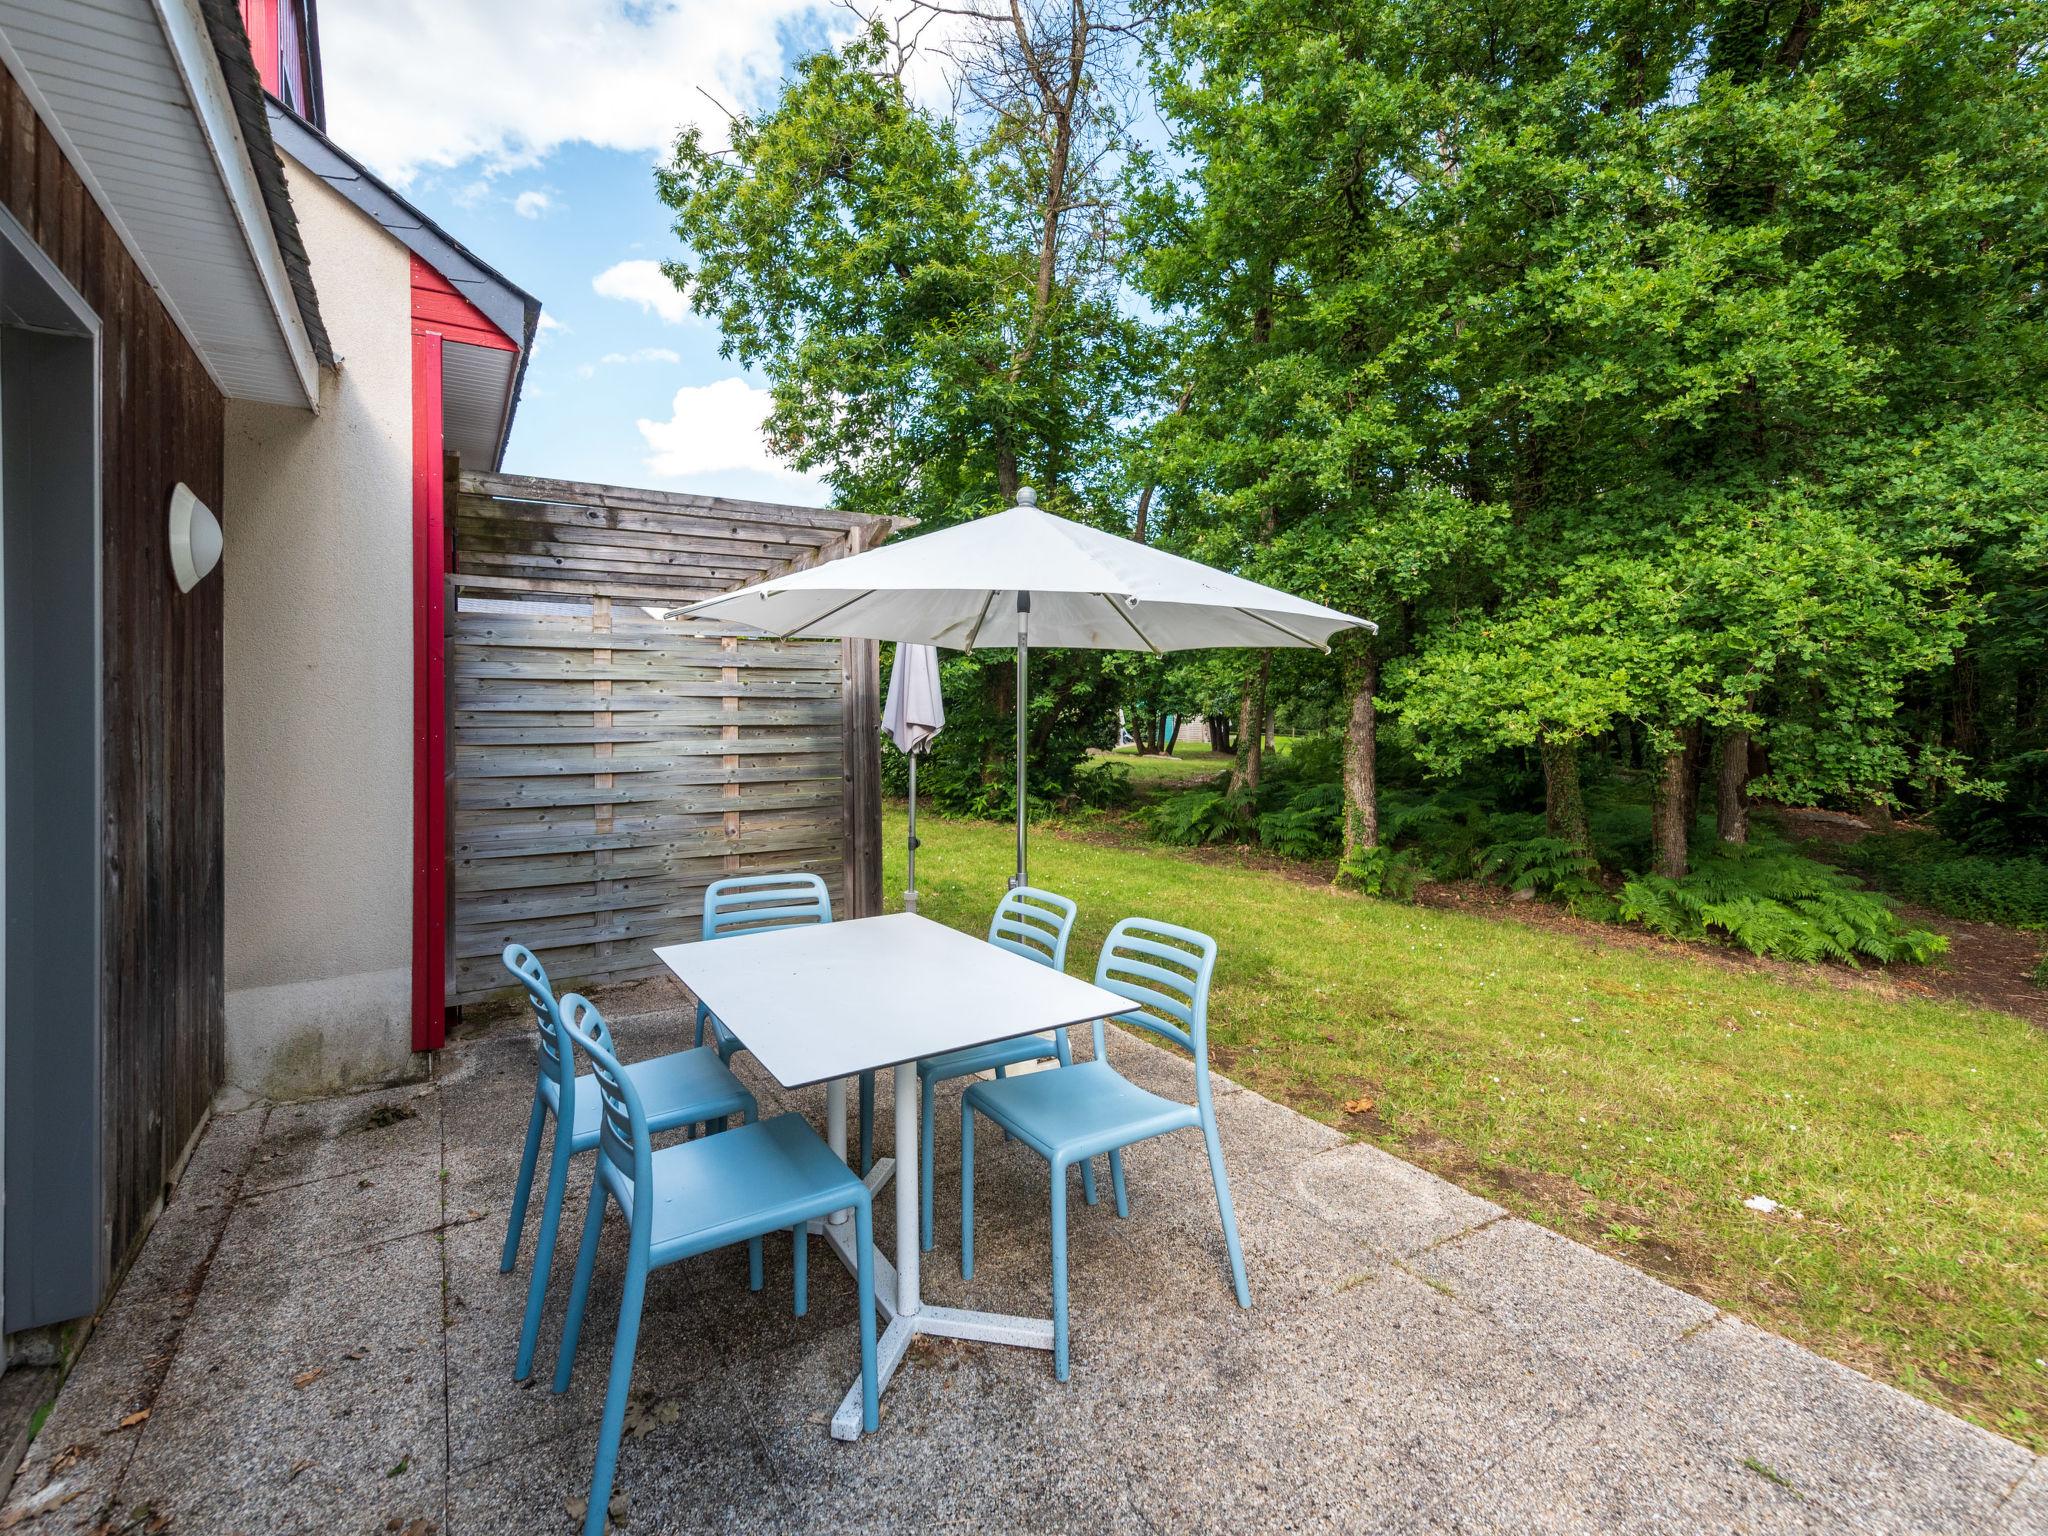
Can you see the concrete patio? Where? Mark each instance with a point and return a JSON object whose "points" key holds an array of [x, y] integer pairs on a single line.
{"points": [[317, 1338]]}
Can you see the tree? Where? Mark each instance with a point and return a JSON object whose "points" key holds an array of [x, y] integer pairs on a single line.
{"points": [[935, 301]]}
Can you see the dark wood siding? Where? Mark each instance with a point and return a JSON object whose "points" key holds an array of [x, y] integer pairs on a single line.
{"points": [[162, 421]]}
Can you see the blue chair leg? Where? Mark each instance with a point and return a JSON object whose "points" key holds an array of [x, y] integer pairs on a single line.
{"points": [[966, 1190], [1065, 1053], [1229, 1215], [1116, 1177], [800, 1253], [864, 1281], [614, 1421], [701, 1011], [579, 1290], [867, 1123], [1059, 1271], [928, 1091], [543, 1253], [755, 1279], [524, 1186]]}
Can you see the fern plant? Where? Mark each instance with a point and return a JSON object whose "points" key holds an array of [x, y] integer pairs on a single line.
{"points": [[1197, 817], [1775, 903]]}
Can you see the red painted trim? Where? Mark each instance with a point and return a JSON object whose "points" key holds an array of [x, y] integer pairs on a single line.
{"points": [[259, 20], [429, 701], [438, 305]]}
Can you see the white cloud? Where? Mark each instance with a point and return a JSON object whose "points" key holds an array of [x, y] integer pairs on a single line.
{"points": [[549, 323], [715, 428], [644, 355], [536, 74], [532, 203], [645, 284]]}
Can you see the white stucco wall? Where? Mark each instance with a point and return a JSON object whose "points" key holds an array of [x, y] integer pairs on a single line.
{"points": [[318, 567]]}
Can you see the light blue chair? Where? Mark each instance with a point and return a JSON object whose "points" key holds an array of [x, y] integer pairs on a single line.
{"points": [[690, 1198], [1035, 924], [682, 1089], [743, 904], [1070, 1115]]}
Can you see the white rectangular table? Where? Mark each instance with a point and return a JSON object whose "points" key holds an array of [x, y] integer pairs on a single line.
{"points": [[825, 1002]]}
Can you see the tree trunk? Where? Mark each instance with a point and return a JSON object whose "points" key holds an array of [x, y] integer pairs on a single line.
{"points": [[1219, 732], [1668, 825], [1695, 772], [1731, 799], [1251, 723], [1271, 726], [1361, 767], [1170, 736], [1564, 805]]}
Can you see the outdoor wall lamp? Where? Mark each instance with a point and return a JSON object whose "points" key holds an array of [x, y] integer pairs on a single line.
{"points": [[195, 538]]}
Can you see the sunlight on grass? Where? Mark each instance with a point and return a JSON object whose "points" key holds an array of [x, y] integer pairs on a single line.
{"points": [[1631, 1096]]}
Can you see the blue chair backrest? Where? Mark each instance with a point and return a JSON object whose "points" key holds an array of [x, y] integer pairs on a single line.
{"points": [[558, 1061], [1166, 969], [625, 1150], [1035, 924], [757, 903]]}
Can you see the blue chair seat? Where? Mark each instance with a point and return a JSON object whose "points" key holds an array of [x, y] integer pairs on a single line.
{"points": [[751, 1179], [985, 1058], [1079, 1111], [685, 1088]]}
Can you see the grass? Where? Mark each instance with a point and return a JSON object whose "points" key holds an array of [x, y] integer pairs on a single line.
{"points": [[1189, 764], [1632, 1096]]}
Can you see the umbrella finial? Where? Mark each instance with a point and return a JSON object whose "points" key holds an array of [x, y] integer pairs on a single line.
{"points": [[1026, 497]]}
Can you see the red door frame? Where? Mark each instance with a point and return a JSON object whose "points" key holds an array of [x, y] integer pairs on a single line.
{"points": [[429, 695], [441, 316]]}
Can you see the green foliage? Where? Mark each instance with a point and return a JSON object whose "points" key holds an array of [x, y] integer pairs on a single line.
{"points": [[1550, 866], [1775, 903], [1940, 874], [1308, 824], [1381, 871], [1196, 817]]}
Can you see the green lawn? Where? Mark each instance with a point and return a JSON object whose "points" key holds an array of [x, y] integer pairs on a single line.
{"points": [[1189, 764], [1630, 1096]]}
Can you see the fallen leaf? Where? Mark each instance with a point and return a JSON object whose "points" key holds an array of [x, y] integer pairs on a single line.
{"points": [[399, 1469], [306, 1378], [298, 1466], [134, 1418], [1358, 1106]]}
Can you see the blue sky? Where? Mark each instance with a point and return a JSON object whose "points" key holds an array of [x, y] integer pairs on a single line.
{"points": [[540, 159]]}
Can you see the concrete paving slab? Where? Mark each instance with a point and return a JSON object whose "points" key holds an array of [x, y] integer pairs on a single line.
{"points": [[1891, 1462], [1561, 1296], [303, 1401], [353, 1134], [1395, 1207], [1627, 1467], [2025, 1510]]}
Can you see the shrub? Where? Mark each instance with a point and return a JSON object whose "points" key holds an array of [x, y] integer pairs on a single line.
{"points": [[1197, 816], [1309, 825], [1380, 872], [1777, 903], [1550, 866], [1940, 874]]}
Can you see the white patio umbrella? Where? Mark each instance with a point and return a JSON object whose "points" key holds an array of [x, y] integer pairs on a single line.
{"points": [[1068, 584], [914, 713]]}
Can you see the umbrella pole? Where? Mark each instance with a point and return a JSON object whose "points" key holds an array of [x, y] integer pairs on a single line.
{"points": [[1023, 715], [910, 880]]}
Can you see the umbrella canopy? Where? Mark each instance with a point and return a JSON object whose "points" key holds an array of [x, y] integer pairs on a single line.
{"points": [[959, 588], [914, 712], [1022, 577]]}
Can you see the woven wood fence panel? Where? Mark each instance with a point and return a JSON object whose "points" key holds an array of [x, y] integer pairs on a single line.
{"points": [[610, 765]]}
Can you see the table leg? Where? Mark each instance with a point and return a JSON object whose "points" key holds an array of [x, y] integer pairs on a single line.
{"points": [[835, 1130], [907, 1165], [896, 1286]]}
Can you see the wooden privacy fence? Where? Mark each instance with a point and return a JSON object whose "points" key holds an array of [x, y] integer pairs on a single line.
{"points": [[608, 764]]}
